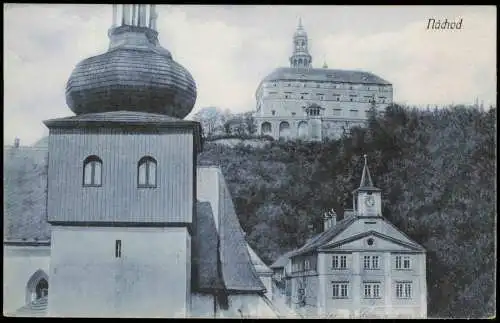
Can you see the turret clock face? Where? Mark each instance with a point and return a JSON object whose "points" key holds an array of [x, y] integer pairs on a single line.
{"points": [[369, 201]]}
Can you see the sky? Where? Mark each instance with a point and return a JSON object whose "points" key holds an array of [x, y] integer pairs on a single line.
{"points": [[230, 49]]}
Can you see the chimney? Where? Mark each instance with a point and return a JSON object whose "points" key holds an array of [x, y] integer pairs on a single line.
{"points": [[326, 221], [333, 218], [16, 142]]}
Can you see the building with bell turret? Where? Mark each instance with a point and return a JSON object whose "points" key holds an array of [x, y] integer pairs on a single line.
{"points": [[360, 266], [303, 102], [110, 216]]}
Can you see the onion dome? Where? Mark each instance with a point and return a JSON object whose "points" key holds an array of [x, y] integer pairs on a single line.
{"points": [[135, 74]]}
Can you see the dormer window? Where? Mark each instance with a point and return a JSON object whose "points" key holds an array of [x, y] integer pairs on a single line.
{"points": [[146, 172], [92, 171]]}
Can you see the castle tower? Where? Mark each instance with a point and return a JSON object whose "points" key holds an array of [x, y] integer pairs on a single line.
{"points": [[122, 179], [367, 196], [300, 57]]}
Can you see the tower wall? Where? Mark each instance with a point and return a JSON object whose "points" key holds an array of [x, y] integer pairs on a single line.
{"points": [[150, 279], [119, 199]]}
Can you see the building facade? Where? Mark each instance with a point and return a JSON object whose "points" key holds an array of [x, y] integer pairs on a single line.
{"points": [[359, 267], [117, 220], [303, 102]]}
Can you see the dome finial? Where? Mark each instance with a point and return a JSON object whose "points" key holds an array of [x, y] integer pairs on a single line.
{"points": [[300, 23]]}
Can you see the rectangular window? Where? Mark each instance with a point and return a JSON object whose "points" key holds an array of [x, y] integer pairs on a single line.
{"points": [[375, 262], [403, 262], [337, 112], [339, 262], [406, 262], [118, 249], [340, 289], [306, 265], [354, 113], [371, 289], [343, 262], [403, 289], [366, 262], [398, 262]]}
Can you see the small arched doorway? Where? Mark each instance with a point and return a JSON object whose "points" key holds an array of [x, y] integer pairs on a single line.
{"points": [[37, 286]]}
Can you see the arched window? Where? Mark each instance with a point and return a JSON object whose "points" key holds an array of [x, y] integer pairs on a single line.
{"points": [[146, 172], [92, 171], [265, 128], [37, 286], [284, 129]]}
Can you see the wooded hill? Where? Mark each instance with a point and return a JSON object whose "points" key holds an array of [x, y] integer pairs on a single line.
{"points": [[437, 171]]}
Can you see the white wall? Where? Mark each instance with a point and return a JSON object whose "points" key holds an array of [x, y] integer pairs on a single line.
{"points": [[149, 280], [20, 263], [207, 186]]}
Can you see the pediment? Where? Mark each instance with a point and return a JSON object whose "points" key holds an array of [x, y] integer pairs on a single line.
{"points": [[378, 225], [371, 240]]}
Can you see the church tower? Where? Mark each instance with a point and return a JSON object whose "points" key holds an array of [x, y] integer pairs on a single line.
{"points": [[122, 179], [300, 57], [367, 197]]}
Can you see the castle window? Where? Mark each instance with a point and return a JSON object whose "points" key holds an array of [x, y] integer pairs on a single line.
{"points": [[92, 171], [338, 98], [118, 249], [301, 96], [340, 289], [273, 112], [293, 113], [403, 289], [146, 172]]}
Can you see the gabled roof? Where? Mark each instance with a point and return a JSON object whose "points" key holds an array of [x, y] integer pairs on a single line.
{"points": [[412, 245], [281, 261], [258, 264], [207, 275], [239, 275], [324, 237], [25, 194]]}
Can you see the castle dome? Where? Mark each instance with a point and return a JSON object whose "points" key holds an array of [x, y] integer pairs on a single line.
{"points": [[135, 74]]}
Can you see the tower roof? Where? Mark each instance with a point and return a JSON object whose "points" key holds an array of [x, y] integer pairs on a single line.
{"points": [[366, 183], [300, 29], [135, 74]]}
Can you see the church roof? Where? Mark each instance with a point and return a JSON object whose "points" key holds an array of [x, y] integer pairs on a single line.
{"points": [[259, 265], [323, 75], [25, 193], [238, 275], [207, 275]]}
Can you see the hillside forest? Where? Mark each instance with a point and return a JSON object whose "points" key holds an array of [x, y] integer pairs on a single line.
{"points": [[437, 172]]}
